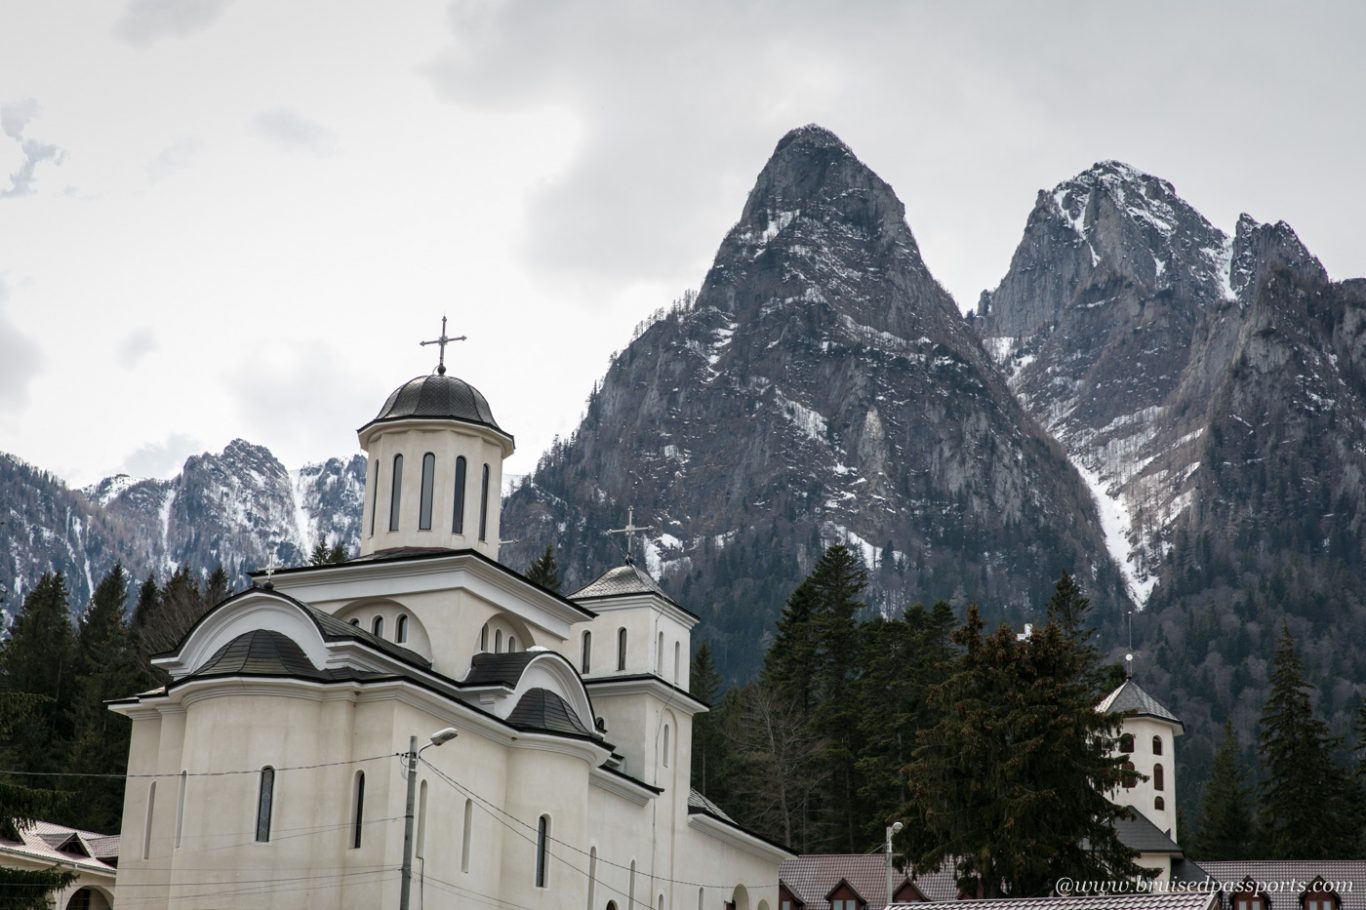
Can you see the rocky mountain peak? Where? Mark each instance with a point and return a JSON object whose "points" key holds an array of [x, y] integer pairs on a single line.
{"points": [[1259, 250]]}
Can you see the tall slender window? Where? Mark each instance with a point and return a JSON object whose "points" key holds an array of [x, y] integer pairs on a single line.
{"points": [[265, 801], [395, 492], [422, 821], [497, 641], [358, 819], [147, 828], [484, 506], [180, 808], [592, 876], [458, 513], [587, 652], [377, 627], [666, 745], [631, 886], [465, 840], [1157, 745], [621, 648], [424, 512], [512, 644], [374, 498], [401, 629], [484, 638], [1157, 778], [542, 851], [659, 656], [678, 660]]}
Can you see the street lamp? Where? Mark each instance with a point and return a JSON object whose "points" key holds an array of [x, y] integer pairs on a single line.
{"points": [[892, 829], [440, 737]]}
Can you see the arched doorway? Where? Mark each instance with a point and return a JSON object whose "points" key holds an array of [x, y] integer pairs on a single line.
{"points": [[88, 899]]}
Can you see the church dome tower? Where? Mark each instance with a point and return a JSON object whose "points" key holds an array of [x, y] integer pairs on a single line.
{"points": [[435, 472]]}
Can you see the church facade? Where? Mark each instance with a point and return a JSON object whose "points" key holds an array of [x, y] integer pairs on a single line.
{"points": [[555, 731]]}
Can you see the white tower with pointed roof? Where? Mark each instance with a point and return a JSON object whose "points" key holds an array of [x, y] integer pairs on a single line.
{"points": [[1148, 744]]}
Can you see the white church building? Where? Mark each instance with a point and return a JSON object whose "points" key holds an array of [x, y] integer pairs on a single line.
{"points": [[271, 771]]}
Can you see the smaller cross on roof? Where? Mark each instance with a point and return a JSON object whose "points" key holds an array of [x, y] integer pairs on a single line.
{"points": [[630, 531], [443, 340]]}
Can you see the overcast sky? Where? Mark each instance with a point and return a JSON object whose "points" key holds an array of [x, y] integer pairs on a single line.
{"points": [[225, 218]]}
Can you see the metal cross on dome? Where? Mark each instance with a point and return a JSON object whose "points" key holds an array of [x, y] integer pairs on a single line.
{"points": [[442, 341], [630, 529]]}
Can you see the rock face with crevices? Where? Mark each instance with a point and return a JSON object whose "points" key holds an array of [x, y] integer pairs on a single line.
{"points": [[820, 387]]}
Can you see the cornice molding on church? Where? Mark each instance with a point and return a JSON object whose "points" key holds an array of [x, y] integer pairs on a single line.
{"points": [[720, 829], [620, 785], [646, 684], [504, 441], [615, 602], [448, 572]]}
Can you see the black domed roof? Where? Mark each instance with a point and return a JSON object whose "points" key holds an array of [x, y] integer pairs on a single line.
{"points": [[438, 396]]}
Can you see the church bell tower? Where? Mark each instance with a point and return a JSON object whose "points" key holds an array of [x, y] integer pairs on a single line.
{"points": [[434, 477]]}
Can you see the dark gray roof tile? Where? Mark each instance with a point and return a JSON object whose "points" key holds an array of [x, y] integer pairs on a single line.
{"points": [[1130, 698], [541, 709]]}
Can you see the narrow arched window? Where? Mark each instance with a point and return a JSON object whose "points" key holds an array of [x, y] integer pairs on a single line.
{"points": [[377, 627], [264, 803], [147, 827], [458, 512], [424, 510], [661, 902], [587, 652], [659, 657], [542, 851], [1157, 778], [395, 492], [484, 506], [484, 638], [621, 648], [358, 816], [631, 886], [180, 808], [465, 840], [374, 496], [1126, 742], [1159, 803], [512, 644], [1157, 745], [592, 876], [666, 745], [678, 660], [1128, 775], [497, 641], [421, 849], [401, 629]]}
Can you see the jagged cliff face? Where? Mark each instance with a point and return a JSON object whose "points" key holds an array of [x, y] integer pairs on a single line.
{"points": [[1213, 390], [821, 387], [235, 508]]}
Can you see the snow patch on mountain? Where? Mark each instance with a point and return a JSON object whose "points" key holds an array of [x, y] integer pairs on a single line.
{"points": [[1115, 521]]}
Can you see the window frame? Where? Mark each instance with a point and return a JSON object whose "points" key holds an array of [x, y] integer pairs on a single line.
{"points": [[424, 508]]}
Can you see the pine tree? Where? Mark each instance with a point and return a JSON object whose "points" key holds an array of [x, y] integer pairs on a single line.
{"points": [[1308, 806], [544, 571], [319, 556], [21, 805], [108, 667], [1225, 830], [38, 660], [337, 555], [1010, 782], [708, 750]]}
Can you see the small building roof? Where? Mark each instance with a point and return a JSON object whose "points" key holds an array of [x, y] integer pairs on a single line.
{"points": [[1139, 833], [1282, 881], [1178, 900], [696, 800], [1131, 699], [260, 652], [620, 581], [811, 879], [48, 842]]}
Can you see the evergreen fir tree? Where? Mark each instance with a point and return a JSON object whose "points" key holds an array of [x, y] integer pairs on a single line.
{"points": [[337, 555], [21, 805], [107, 667], [320, 554], [1010, 782], [38, 659], [544, 571], [1225, 830], [1308, 805], [708, 750]]}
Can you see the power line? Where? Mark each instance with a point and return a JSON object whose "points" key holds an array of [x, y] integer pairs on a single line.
{"points": [[176, 774]]}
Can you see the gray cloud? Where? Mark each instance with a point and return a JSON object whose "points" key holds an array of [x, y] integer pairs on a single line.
{"points": [[175, 157], [14, 121], [135, 346], [161, 459], [289, 395], [293, 130], [20, 360], [145, 21]]}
